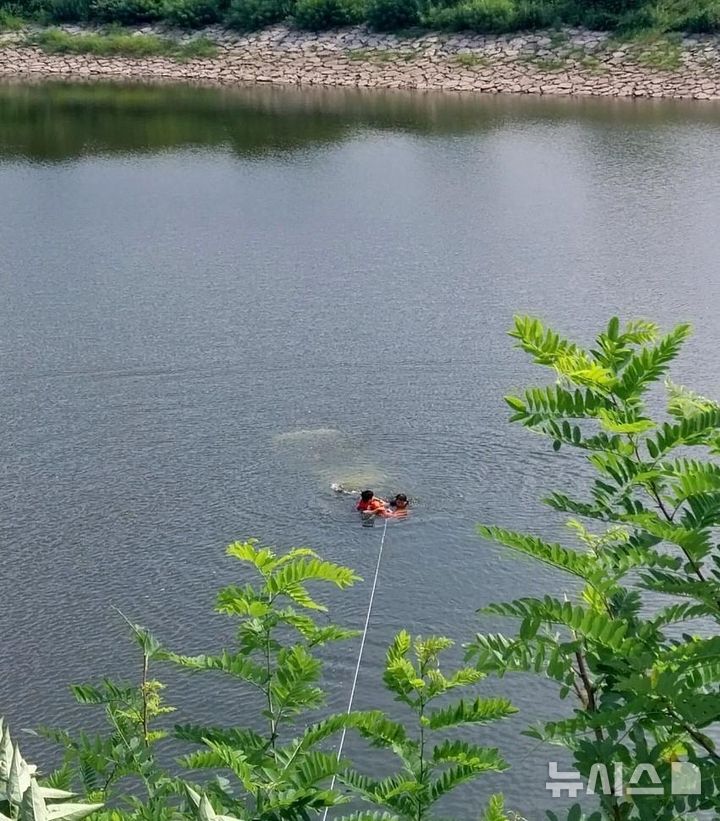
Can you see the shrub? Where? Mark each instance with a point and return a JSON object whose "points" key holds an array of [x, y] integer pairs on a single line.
{"points": [[126, 12], [530, 14], [191, 14], [66, 11], [9, 20], [474, 15], [642, 19], [328, 14], [391, 15], [600, 14], [13, 10], [697, 16], [635, 643], [578, 13], [250, 15], [704, 21]]}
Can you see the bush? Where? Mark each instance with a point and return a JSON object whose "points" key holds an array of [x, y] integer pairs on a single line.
{"points": [[701, 16], [474, 15], [703, 21], [66, 11], [316, 15], [10, 20], [579, 13], [601, 14], [126, 12], [191, 14], [530, 14], [250, 15], [391, 15]]}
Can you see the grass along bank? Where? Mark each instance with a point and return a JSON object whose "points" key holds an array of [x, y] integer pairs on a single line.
{"points": [[121, 43]]}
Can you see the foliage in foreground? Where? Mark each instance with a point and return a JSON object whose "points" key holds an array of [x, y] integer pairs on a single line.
{"points": [[625, 640], [431, 767], [277, 761], [22, 798]]}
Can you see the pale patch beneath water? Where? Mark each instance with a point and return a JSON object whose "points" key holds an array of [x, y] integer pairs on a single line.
{"points": [[337, 459], [355, 480], [306, 435]]}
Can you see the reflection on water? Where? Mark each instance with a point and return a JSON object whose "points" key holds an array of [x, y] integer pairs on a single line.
{"points": [[61, 121], [218, 303]]}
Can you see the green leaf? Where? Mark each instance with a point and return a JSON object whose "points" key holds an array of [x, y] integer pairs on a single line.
{"points": [[614, 423], [245, 741], [381, 730], [315, 767], [315, 733], [587, 622], [544, 345], [220, 756], [480, 711], [699, 429], [296, 573], [684, 403], [235, 665], [696, 542], [553, 554], [293, 685], [454, 776], [469, 755], [515, 403], [679, 613], [262, 558], [495, 810], [690, 477], [400, 646], [649, 364]]}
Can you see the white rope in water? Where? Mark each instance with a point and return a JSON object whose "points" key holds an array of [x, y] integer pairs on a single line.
{"points": [[360, 654]]}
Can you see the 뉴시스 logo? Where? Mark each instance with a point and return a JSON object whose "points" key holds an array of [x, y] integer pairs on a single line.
{"points": [[684, 780]]}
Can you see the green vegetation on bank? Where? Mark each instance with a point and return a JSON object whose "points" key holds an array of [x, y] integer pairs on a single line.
{"points": [[491, 16], [120, 43], [628, 633], [10, 21]]}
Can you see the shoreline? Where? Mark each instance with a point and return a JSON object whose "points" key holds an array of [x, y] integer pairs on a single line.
{"points": [[572, 62]]}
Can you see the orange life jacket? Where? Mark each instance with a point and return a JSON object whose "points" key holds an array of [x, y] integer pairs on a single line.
{"points": [[370, 507]]}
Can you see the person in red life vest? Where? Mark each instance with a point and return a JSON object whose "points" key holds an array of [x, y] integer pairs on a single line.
{"points": [[370, 506]]}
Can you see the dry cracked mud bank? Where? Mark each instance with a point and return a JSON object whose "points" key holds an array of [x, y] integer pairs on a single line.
{"points": [[572, 62]]}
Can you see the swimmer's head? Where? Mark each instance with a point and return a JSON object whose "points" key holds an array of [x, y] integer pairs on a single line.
{"points": [[366, 495], [401, 500]]}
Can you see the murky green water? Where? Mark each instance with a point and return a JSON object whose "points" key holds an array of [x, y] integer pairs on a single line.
{"points": [[216, 303]]}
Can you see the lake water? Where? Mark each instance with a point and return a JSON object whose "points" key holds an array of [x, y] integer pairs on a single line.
{"points": [[216, 303]]}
